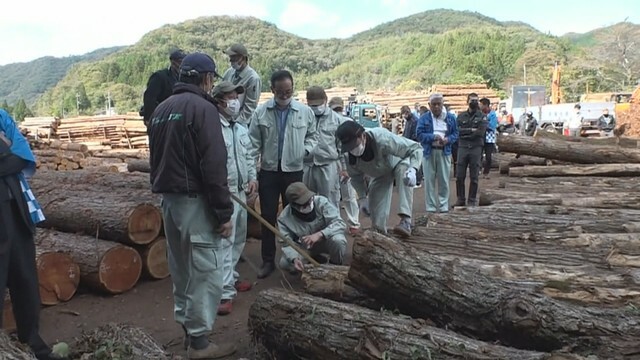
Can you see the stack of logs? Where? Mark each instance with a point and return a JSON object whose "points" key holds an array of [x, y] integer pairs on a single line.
{"points": [[102, 230], [60, 155], [546, 268]]}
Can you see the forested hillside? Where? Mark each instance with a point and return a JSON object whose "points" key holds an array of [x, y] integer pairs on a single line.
{"points": [[439, 46]]}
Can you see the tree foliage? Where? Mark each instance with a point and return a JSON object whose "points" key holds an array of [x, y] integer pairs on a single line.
{"points": [[440, 46], [21, 110]]}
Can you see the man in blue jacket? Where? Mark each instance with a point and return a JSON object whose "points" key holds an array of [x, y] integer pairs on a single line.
{"points": [[437, 131]]}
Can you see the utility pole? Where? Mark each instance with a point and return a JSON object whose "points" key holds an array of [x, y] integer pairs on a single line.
{"points": [[78, 103], [525, 73]]}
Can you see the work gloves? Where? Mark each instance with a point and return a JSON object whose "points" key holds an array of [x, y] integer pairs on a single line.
{"points": [[410, 177]]}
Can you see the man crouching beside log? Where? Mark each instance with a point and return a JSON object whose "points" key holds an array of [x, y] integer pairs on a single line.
{"points": [[188, 158], [312, 221], [19, 214]]}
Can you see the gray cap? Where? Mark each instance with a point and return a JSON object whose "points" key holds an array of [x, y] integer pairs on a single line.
{"points": [[298, 193], [225, 87], [336, 102], [237, 49]]}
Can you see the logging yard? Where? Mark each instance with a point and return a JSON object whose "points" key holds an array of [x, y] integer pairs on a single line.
{"points": [[547, 267]]}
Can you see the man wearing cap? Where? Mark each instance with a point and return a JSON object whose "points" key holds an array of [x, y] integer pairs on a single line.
{"points": [[160, 85], [188, 160], [283, 132], [240, 73], [313, 222], [241, 169], [347, 192], [437, 131], [323, 165], [384, 157]]}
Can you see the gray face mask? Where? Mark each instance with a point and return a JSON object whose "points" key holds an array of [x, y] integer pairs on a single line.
{"points": [[319, 110], [235, 66]]}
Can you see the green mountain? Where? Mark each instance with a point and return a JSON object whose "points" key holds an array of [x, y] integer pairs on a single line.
{"points": [[439, 46], [30, 79]]}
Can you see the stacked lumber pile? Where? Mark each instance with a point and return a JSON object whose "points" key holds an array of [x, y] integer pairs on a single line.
{"points": [[546, 268], [455, 96], [102, 230], [95, 132], [394, 101], [74, 156]]}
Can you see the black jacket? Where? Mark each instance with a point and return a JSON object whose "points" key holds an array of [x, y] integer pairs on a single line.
{"points": [[188, 154], [159, 88], [411, 127], [472, 127]]}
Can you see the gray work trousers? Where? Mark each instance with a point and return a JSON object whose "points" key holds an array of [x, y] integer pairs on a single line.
{"points": [[335, 246], [196, 258], [380, 191], [468, 157], [234, 247], [350, 200], [437, 168], [323, 180]]}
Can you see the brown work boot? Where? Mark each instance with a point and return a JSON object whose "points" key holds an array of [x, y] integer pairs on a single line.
{"points": [[225, 307], [212, 351]]}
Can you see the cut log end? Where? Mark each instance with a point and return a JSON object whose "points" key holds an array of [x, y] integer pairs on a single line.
{"points": [[145, 224], [154, 259], [58, 277], [120, 269]]}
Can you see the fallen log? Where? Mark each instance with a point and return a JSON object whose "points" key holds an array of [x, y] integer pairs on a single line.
{"points": [[120, 341], [328, 281], [505, 164], [601, 201], [154, 259], [579, 153], [61, 154], [56, 144], [134, 165], [92, 163], [44, 181], [8, 321], [325, 329], [624, 142], [58, 275], [10, 350], [462, 299], [565, 185], [104, 265], [613, 170], [128, 217]]}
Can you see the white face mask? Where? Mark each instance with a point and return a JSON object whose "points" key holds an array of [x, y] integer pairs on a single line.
{"points": [[235, 66], [358, 150], [233, 107], [282, 102], [319, 110], [307, 209]]}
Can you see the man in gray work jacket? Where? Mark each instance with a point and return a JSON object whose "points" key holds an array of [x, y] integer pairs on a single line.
{"points": [[240, 73]]}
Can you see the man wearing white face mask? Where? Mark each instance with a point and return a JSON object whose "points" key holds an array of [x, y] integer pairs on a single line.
{"points": [[313, 222], [242, 181], [384, 157], [324, 163], [283, 132], [240, 73]]}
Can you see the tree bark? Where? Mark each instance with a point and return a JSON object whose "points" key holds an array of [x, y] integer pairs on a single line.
{"points": [[289, 325], [603, 200], [565, 185], [58, 276], [8, 321], [60, 154], [613, 170], [56, 144], [329, 282], [623, 142], [462, 299], [507, 163], [134, 165], [154, 259], [579, 153], [105, 266], [87, 180], [128, 342], [92, 163], [129, 217]]}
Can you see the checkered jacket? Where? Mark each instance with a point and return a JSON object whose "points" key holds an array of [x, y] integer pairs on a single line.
{"points": [[490, 137], [35, 211]]}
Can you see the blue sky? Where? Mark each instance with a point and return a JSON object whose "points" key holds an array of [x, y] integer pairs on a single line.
{"points": [[30, 29]]}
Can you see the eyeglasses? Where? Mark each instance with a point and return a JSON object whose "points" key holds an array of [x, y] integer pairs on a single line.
{"points": [[283, 93]]}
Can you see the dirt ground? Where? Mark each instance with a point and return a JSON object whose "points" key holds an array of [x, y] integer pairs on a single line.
{"points": [[150, 304]]}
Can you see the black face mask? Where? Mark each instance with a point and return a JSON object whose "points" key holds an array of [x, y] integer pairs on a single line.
{"points": [[304, 217], [474, 105]]}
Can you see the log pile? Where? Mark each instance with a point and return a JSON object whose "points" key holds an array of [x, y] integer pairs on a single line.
{"points": [[75, 156], [455, 96]]}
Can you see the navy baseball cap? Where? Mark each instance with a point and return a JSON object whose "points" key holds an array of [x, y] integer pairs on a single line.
{"points": [[199, 62], [348, 133], [177, 55]]}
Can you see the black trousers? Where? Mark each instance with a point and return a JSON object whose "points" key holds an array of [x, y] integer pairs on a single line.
{"points": [[468, 157], [273, 185], [489, 149], [454, 157], [18, 273]]}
